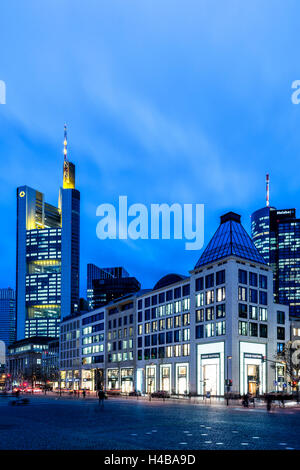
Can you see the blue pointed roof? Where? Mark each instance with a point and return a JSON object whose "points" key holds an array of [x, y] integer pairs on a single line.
{"points": [[230, 239]]}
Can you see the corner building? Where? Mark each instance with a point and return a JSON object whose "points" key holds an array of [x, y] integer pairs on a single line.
{"points": [[214, 331], [218, 328]]}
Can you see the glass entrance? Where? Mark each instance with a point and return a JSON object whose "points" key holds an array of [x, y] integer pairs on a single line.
{"points": [[150, 379], [253, 379], [210, 378], [166, 378]]}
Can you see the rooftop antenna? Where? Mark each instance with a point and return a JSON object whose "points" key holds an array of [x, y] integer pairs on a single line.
{"points": [[267, 190]]}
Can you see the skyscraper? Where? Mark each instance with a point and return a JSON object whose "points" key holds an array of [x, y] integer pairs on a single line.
{"points": [[276, 234], [7, 316], [107, 284], [47, 278]]}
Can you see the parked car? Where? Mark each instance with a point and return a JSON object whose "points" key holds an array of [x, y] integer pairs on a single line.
{"points": [[160, 394]]}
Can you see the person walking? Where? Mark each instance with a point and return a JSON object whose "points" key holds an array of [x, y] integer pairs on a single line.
{"points": [[101, 396]]}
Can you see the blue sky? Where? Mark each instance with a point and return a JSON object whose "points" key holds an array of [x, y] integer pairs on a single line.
{"points": [[165, 101]]}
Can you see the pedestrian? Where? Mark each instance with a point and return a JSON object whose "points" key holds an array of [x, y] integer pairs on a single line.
{"points": [[269, 403], [101, 396], [83, 393]]}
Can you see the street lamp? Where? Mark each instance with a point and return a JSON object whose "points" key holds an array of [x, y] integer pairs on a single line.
{"points": [[227, 381]]}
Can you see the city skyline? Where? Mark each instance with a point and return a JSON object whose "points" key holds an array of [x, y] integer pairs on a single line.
{"points": [[124, 127]]}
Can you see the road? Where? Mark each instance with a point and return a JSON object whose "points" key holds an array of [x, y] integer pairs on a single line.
{"points": [[72, 423]]}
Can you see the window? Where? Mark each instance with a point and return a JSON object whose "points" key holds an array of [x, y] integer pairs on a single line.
{"points": [[154, 300], [199, 284], [169, 337], [263, 331], [243, 294], [242, 276], [177, 292], [177, 306], [199, 331], [186, 290], [200, 315], [177, 321], [177, 336], [263, 298], [185, 319], [209, 281], [209, 330], [220, 294], [186, 334], [209, 313], [243, 328], [280, 318], [169, 295], [253, 312], [220, 277], [200, 299], [280, 347], [177, 350], [161, 297], [186, 304], [147, 314], [186, 349], [263, 314], [147, 302], [263, 281], [220, 311], [169, 323], [253, 296], [209, 297], [253, 329], [243, 311], [281, 333], [253, 279], [220, 328]]}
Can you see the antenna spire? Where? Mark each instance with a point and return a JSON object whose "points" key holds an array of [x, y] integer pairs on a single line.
{"points": [[65, 143], [267, 190]]}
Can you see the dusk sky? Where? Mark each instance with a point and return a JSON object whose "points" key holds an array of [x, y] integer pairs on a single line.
{"points": [[165, 102]]}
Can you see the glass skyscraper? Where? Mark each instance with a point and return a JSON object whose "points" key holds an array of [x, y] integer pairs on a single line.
{"points": [[276, 234], [107, 284], [7, 316], [47, 278]]}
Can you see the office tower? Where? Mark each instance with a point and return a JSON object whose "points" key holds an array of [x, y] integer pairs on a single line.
{"points": [[47, 277], [276, 234], [7, 316], [107, 284]]}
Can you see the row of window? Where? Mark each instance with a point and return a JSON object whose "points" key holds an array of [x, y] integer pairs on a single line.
{"points": [[165, 351]]}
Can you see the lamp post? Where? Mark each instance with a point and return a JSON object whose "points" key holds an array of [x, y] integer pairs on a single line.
{"points": [[227, 381]]}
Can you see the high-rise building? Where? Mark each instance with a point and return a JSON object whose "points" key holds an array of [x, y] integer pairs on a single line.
{"points": [[276, 234], [7, 316], [47, 278], [107, 284]]}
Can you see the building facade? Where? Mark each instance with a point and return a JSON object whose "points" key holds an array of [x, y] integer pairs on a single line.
{"points": [[215, 331], [276, 234], [81, 352], [24, 361], [47, 274], [106, 284], [7, 316]]}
